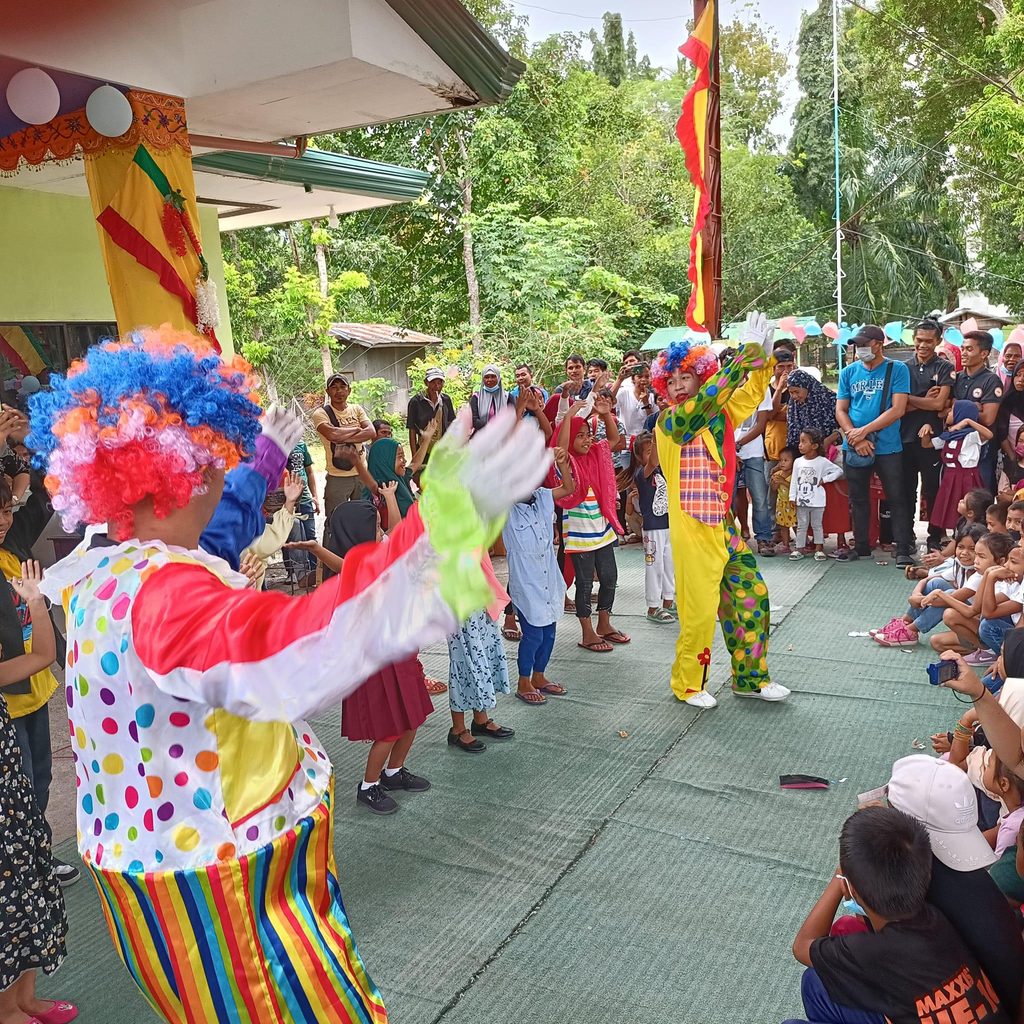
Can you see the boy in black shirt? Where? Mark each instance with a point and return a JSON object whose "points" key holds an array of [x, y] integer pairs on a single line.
{"points": [[911, 966]]}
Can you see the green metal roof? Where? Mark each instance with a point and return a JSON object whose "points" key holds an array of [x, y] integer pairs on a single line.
{"points": [[464, 45], [317, 169]]}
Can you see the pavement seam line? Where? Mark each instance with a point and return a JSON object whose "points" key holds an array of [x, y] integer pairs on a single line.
{"points": [[589, 843]]}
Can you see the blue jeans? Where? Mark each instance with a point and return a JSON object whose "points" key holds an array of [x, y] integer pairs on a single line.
{"points": [[757, 485], [303, 529], [821, 1010], [992, 631], [926, 619], [535, 647]]}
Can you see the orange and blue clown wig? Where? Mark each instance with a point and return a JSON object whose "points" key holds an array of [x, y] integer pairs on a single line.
{"points": [[685, 357], [142, 417]]}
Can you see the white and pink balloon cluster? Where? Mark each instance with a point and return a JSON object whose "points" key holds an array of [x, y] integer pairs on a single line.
{"points": [[34, 98]]}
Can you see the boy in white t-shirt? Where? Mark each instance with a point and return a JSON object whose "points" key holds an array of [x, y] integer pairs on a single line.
{"points": [[1002, 600], [807, 491]]}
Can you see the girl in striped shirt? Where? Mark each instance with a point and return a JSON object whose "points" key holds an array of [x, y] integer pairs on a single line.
{"points": [[590, 523]]}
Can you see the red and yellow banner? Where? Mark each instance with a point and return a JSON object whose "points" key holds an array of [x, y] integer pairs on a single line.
{"points": [[692, 132], [22, 349]]}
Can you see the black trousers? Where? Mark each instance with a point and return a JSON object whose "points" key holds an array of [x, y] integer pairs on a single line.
{"points": [[890, 471], [923, 463], [585, 563]]}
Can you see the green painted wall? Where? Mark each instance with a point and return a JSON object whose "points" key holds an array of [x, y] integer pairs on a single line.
{"points": [[51, 270]]}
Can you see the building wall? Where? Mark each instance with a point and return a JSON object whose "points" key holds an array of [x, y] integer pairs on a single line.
{"points": [[51, 269]]}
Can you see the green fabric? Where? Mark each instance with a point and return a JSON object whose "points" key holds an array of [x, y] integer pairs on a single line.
{"points": [[381, 465], [1004, 873], [457, 532]]}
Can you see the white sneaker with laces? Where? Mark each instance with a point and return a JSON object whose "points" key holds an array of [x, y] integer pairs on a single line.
{"points": [[702, 699], [771, 692]]}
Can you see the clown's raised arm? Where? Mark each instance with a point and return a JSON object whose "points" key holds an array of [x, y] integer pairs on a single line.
{"points": [[725, 391]]}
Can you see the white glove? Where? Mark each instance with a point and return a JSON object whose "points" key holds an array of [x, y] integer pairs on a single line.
{"points": [[282, 427], [757, 330], [507, 460]]}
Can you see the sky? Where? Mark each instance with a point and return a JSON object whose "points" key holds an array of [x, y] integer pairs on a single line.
{"points": [[660, 35]]}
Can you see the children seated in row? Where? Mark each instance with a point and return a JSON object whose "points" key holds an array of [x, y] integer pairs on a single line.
{"points": [[972, 508], [1001, 597], [950, 575]]}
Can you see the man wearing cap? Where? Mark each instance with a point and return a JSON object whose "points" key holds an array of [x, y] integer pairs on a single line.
{"points": [[941, 796], [873, 394], [341, 422], [977, 383], [425, 405]]}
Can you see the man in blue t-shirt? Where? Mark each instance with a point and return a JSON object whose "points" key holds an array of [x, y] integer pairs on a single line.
{"points": [[872, 428]]}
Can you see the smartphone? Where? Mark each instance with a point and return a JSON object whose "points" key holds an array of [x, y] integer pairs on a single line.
{"points": [[942, 671]]}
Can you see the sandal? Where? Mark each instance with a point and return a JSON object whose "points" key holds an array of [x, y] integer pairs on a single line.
{"points": [[512, 634], [660, 615], [499, 732], [597, 646], [434, 686], [531, 698], [58, 1013], [472, 747], [554, 689], [616, 636]]}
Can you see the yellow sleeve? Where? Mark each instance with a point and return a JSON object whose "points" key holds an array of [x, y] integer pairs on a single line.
{"points": [[745, 400]]}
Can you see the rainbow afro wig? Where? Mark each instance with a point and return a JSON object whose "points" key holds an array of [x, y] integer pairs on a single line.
{"points": [[681, 355], [141, 417]]}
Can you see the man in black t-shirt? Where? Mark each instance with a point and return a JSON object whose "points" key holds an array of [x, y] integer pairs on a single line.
{"points": [[977, 383], [909, 965], [931, 381]]}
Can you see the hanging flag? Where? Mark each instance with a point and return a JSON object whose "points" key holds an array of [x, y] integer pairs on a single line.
{"points": [[692, 132]]}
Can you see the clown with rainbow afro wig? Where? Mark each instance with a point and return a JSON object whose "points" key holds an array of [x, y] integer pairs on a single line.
{"points": [[204, 799], [717, 577]]}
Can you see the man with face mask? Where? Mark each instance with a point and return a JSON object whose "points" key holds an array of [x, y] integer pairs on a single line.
{"points": [[873, 394], [716, 573]]}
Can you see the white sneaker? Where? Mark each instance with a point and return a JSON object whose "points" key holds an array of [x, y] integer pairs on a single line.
{"points": [[702, 699], [771, 692]]}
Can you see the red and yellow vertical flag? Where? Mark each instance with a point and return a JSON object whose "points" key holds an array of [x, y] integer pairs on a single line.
{"points": [[692, 132]]}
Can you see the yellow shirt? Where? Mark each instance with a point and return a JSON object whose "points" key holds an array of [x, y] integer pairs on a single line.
{"points": [[43, 683], [351, 416]]}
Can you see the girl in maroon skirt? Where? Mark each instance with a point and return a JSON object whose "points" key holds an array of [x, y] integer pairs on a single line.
{"points": [[960, 451], [393, 703]]}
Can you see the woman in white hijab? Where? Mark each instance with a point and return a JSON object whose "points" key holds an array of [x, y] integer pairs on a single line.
{"points": [[489, 398]]}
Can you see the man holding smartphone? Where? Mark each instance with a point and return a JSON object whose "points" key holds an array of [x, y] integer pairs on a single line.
{"points": [[634, 402]]}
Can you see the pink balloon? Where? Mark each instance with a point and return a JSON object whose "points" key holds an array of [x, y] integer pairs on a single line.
{"points": [[800, 334], [831, 330], [1016, 336], [788, 323], [970, 324]]}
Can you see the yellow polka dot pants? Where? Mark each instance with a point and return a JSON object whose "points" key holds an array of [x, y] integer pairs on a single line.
{"points": [[717, 577]]}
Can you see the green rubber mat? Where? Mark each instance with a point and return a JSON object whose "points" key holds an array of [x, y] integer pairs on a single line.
{"points": [[574, 871]]}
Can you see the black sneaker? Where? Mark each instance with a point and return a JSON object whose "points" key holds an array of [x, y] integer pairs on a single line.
{"points": [[375, 799], [404, 779], [906, 562], [66, 874]]}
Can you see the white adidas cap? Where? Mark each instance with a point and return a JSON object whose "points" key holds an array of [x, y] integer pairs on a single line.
{"points": [[942, 798]]}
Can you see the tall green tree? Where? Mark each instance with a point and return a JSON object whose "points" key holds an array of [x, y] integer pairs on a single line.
{"points": [[753, 68]]}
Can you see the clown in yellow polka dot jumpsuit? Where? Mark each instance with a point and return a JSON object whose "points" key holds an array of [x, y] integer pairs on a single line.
{"points": [[716, 573]]}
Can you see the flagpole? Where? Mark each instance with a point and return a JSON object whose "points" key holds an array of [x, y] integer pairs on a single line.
{"points": [[840, 312], [711, 276]]}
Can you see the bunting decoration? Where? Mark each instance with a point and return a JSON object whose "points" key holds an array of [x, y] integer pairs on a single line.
{"points": [[692, 132]]}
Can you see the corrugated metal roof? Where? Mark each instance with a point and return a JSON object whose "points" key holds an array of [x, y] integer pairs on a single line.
{"points": [[381, 336]]}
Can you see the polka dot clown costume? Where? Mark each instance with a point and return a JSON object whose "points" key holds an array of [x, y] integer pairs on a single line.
{"points": [[204, 800], [716, 573]]}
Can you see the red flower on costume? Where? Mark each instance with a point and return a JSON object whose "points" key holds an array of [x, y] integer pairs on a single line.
{"points": [[704, 658]]}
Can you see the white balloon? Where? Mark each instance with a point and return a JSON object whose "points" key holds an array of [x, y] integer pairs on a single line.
{"points": [[108, 111], [33, 96]]}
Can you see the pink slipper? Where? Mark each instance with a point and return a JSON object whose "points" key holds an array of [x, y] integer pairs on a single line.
{"points": [[58, 1013]]}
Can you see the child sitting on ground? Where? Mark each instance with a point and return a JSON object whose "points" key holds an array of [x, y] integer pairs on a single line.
{"points": [[785, 509], [1015, 520], [962, 612], [995, 517], [908, 963], [950, 575], [1002, 599], [971, 509], [807, 491]]}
